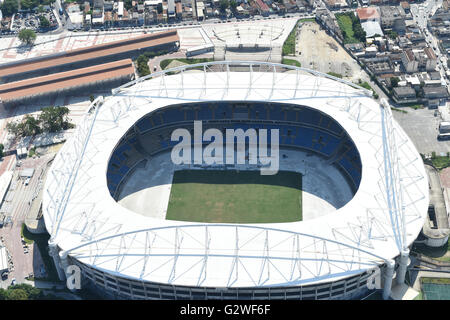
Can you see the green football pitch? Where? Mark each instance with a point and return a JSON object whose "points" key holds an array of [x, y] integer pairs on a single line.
{"points": [[235, 196]]}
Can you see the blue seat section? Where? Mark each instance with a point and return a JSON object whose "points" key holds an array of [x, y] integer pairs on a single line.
{"points": [[351, 170], [223, 111], [258, 111], [327, 144], [306, 116], [190, 114], [173, 115], [117, 167], [204, 112], [156, 119], [276, 113], [291, 115], [304, 137], [144, 124]]}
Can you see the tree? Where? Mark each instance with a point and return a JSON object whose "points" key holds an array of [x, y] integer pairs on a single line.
{"points": [[233, 5], [128, 4], [27, 36], [394, 82], [142, 65], [30, 126], [54, 119], [9, 7], [43, 22], [224, 4], [2, 147], [17, 294]]}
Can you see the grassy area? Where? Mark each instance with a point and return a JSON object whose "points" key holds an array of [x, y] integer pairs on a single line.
{"points": [[291, 62], [41, 241], [440, 253], [24, 233], [164, 63], [289, 44], [346, 25], [235, 196], [307, 20], [334, 74], [367, 86], [440, 162], [399, 110], [419, 296], [435, 280]]}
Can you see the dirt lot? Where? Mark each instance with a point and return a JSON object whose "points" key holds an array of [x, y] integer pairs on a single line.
{"points": [[318, 51]]}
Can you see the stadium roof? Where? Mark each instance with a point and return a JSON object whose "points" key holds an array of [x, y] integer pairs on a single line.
{"points": [[92, 52], [384, 217], [64, 80]]}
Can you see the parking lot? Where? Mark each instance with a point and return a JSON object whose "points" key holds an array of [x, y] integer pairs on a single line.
{"points": [[422, 127], [31, 21]]}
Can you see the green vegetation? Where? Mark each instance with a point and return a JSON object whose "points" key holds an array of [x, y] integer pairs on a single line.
{"points": [[54, 119], [435, 280], [399, 110], [289, 44], [440, 162], [367, 86], [142, 65], [142, 61], [27, 36], [51, 119], [21, 292], [416, 106], [224, 4], [43, 22], [334, 74], [24, 233], [235, 196], [164, 63], [308, 20], [392, 34], [394, 81], [2, 148], [32, 152], [440, 254], [350, 27], [9, 7], [291, 62]]}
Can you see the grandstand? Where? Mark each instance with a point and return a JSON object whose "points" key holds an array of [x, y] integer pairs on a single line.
{"points": [[250, 41], [88, 56], [328, 128], [113, 73]]}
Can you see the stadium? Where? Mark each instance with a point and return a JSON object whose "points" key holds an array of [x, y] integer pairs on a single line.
{"points": [[350, 197]]}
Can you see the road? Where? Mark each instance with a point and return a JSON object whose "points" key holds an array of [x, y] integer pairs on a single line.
{"points": [[421, 13], [21, 196]]}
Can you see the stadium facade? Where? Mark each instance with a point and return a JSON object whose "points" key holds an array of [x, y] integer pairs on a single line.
{"points": [[336, 256]]}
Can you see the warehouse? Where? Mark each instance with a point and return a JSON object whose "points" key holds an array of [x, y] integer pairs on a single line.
{"points": [[24, 91], [89, 56]]}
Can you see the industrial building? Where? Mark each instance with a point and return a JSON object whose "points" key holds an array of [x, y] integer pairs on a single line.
{"points": [[112, 73], [89, 56]]}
